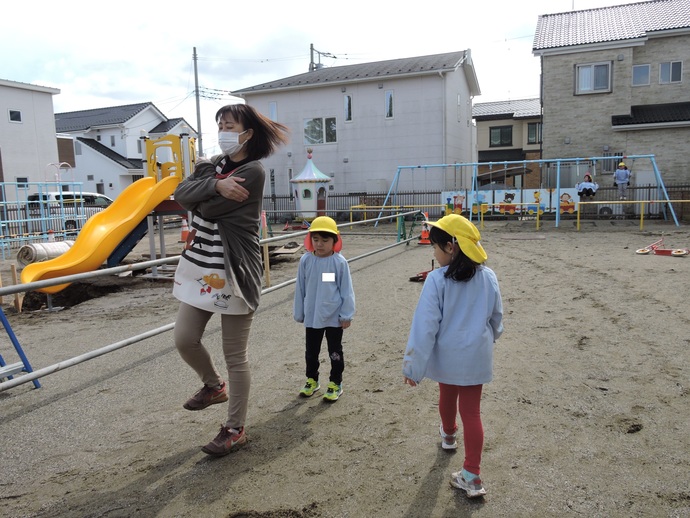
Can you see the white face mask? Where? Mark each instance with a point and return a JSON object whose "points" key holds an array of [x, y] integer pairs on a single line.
{"points": [[229, 142]]}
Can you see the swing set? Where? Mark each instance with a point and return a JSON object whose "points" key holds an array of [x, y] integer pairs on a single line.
{"points": [[557, 196]]}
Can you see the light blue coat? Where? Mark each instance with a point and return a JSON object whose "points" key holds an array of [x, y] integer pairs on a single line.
{"points": [[454, 328], [621, 176], [587, 185], [323, 294]]}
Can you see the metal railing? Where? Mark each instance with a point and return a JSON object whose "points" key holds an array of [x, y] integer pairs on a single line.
{"points": [[35, 374], [627, 203], [282, 207]]}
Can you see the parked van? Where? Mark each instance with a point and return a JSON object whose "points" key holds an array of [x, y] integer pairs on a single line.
{"points": [[65, 210], [88, 198]]}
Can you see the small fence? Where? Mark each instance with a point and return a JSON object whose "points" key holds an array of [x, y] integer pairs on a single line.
{"points": [[40, 222], [282, 207]]}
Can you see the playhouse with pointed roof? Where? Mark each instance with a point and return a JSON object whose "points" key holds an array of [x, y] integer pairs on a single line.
{"points": [[310, 188]]}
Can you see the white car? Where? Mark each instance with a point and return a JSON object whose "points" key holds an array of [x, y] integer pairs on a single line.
{"points": [[65, 210]]}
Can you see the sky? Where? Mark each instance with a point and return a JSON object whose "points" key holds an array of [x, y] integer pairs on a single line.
{"points": [[100, 55]]}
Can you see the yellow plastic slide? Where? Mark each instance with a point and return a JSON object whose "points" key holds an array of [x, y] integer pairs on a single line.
{"points": [[103, 232]]}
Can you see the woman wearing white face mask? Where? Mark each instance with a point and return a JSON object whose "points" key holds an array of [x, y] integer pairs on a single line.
{"points": [[220, 270]]}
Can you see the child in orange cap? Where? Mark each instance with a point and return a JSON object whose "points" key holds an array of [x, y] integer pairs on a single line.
{"points": [[458, 317], [325, 303]]}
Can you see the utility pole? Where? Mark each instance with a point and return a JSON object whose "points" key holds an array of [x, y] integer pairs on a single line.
{"points": [[200, 146], [315, 66]]}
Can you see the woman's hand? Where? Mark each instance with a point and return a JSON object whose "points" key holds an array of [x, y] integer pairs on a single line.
{"points": [[409, 382], [231, 189]]}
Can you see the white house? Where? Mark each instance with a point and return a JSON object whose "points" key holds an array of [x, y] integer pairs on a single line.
{"points": [[364, 121], [107, 143], [27, 133]]}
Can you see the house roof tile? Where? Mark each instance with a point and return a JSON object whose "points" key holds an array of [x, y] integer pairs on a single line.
{"points": [[366, 71], [85, 119], [654, 114], [512, 109], [166, 126], [610, 24]]}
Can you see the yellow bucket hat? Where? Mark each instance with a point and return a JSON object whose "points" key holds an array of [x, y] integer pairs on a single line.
{"points": [[466, 234]]}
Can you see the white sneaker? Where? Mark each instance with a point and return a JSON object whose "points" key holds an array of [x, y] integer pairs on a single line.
{"points": [[448, 442], [473, 488]]}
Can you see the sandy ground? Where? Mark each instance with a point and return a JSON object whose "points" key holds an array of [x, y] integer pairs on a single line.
{"points": [[587, 414]]}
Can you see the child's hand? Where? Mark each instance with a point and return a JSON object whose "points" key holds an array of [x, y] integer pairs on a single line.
{"points": [[345, 324], [409, 382]]}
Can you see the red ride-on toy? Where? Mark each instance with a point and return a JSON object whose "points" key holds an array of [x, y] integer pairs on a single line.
{"points": [[656, 249], [421, 276]]}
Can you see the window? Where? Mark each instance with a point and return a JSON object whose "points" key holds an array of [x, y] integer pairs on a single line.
{"points": [[611, 164], [101, 201], [112, 140], [533, 132], [22, 181], [77, 148], [389, 104], [593, 78], [306, 194], [670, 72], [319, 131], [15, 116], [98, 138], [348, 108], [89, 178], [139, 146], [640, 75], [273, 111], [501, 136]]}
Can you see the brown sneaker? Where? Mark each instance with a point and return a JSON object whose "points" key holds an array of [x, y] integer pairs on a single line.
{"points": [[207, 396], [225, 441]]}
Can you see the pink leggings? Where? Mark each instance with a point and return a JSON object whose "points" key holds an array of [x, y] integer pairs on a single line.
{"points": [[466, 400]]}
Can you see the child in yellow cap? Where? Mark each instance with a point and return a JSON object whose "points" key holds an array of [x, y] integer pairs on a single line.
{"points": [[325, 303], [458, 317]]}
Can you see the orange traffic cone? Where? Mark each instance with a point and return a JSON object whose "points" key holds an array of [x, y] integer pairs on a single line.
{"points": [[185, 231], [424, 239]]}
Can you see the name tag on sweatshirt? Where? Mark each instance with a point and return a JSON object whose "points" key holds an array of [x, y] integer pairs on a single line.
{"points": [[327, 277]]}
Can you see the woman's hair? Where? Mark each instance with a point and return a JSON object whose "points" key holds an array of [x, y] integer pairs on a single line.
{"points": [[266, 134], [461, 267]]}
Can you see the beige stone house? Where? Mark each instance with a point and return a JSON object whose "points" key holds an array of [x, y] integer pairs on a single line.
{"points": [[508, 131], [615, 83]]}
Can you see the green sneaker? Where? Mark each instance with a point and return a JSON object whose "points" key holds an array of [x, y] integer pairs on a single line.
{"points": [[333, 392], [309, 388]]}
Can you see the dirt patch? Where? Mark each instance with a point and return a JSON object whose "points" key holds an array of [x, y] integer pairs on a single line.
{"points": [[83, 291], [586, 415]]}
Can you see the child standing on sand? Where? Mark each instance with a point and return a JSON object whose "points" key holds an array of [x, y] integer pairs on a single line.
{"points": [[325, 303], [458, 317]]}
